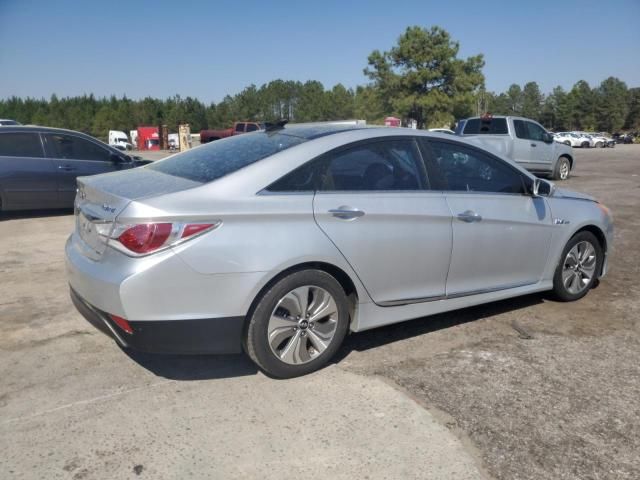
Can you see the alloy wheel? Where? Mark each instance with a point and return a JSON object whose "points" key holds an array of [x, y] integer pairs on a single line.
{"points": [[564, 170], [302, 324], [579, 267]]}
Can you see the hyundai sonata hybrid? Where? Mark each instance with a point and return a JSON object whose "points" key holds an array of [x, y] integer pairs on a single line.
{"points": [[282, 241]]}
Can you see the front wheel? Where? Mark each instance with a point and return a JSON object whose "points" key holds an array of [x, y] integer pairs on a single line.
{"points": [[563, 167], [298, 324], [579, 267]]}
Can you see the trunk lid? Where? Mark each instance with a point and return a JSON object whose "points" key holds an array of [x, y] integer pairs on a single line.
{"points": [[101, 198]]}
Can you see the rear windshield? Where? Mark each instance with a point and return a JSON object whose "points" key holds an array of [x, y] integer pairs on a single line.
{"points": [[221, 157], [490, 126]]}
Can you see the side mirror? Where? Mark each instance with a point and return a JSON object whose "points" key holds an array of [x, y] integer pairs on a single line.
{"points": [[535, 188], [547, 137], [115, 158]]}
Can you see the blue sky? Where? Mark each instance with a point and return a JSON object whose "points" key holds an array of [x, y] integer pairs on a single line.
{"points": [[207, 49]]}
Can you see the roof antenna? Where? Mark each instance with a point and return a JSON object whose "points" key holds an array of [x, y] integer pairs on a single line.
{"points": [[272, 126]]}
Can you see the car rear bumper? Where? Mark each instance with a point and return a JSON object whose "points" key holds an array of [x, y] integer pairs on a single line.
{"points": [[199, 336]]}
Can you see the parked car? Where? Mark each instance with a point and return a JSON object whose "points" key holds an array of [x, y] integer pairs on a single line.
{"points": [[238, 128], [6, 122], [39, 165], [586, 140], [281, 242], [623, 137], [568, 138], [523, 141]]}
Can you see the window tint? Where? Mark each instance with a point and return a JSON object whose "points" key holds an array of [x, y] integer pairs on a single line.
{"points": [[76, 148], [520, 128], [239, 127], [467, 169], [536, 132], [385, 165], [20, 145], [217, 159], [252, 127], [488, 126], [302, 179]]}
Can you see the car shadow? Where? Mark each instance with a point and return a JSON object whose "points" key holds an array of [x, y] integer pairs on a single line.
{"points": [[378, 337], [26, 214], [194, 367], [209, 367]]}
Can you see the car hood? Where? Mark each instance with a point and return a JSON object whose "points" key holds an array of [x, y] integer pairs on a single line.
{"points": [[564, 193]]}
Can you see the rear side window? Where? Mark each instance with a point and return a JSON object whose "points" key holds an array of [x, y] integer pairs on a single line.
{"points": [[487, 126], [384, 165], [239, 127], [520, 128], [222, 157], [20, 145], [76, 148]]}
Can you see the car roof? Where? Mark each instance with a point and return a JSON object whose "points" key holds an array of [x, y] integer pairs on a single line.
{"points": [[37, 128], [310, 131]]}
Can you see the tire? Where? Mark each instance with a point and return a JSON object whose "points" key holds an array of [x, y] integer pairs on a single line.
{"points": [[585, 145], [599, 145], [563, 169], [570, 284], [281, 336]]}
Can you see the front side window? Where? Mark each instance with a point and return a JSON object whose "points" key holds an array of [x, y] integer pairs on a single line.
{"points": [[76, 148], [252, 127], [382, 165], [536, 132], [20, 145], [464, 169]]}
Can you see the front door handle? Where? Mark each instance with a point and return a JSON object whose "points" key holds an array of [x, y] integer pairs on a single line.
{"points": [[66, 168], [346, 213], [469, 216], [534, 145]]}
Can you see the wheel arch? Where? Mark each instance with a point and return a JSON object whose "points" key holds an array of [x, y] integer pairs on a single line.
{"points": [[342, 277], [600, 236], [568, 157]]}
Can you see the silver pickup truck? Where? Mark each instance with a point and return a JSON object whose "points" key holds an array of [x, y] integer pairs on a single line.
{"points": [[523, 141]]}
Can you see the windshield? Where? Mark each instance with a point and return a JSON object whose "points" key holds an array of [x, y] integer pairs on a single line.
{"points": [[217, 159]]}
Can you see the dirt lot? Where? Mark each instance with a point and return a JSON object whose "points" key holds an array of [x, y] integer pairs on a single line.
{"points": [[522, 389]]}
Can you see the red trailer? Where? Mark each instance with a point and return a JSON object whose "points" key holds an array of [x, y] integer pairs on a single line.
{"points": [[148, 138], [392, 122]]}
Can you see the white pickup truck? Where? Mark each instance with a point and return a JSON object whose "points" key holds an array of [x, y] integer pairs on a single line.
{"points": [[523, 141]]}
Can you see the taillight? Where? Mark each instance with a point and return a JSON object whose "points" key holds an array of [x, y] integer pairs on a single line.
{"points": [[145, 238]]}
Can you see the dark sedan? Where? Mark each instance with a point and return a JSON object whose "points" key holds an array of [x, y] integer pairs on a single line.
{"points": [[39, 165]]}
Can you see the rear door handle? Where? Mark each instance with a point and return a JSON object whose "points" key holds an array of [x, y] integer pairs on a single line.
{"points": [[469, 216], [534, 145], [346, 213], [66, 168]]}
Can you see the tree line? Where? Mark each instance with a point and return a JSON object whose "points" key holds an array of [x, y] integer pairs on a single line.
{"points": [[421, 78]]}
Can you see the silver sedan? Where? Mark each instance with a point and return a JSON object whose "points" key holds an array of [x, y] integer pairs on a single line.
{"points": [[280, 242]]}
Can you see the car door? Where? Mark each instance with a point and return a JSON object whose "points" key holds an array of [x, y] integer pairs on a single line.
{"points": [[501, 234], [541, 152], [75, 156], [375, 205], [27, 177]]}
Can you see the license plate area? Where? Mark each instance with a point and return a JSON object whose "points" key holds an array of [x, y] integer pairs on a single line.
{"points": [[88, 230]]}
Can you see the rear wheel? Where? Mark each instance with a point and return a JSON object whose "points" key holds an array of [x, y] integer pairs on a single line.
{"points": [[585, 144], [567, 142], [298, 324], [600, 144], [579, 266], [563, 168]]}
